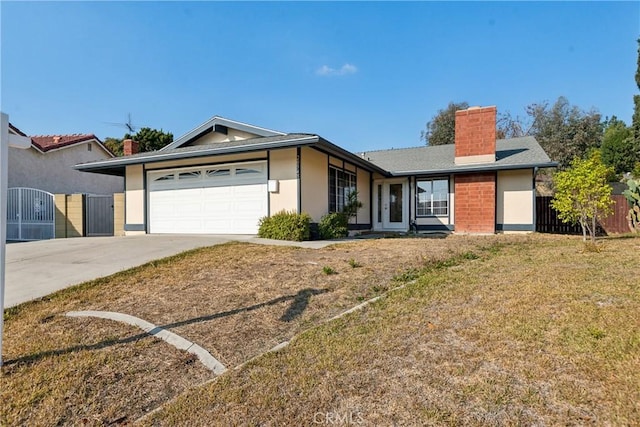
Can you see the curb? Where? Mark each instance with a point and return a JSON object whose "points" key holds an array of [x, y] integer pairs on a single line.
{"points": [[174, 339]]}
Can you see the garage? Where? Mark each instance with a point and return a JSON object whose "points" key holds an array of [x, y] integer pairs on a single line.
{"points": [[215, 199]]}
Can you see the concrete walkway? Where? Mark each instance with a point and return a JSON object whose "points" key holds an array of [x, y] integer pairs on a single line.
{"points": [[36, 269]]}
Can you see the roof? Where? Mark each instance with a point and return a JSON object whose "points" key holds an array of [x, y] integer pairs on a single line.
{"points": [[210, 126], [46, 143], [116, 166], [513, 153], [16, 130]]}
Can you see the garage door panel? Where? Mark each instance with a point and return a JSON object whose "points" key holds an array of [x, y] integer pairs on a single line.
{"points": [[230, 209]]}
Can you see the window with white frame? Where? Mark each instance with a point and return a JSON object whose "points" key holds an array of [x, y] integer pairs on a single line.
{"points": [[432, 197], [341, 184]]}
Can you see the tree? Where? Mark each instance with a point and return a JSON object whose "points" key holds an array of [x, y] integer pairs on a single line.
{"points": [[583, 194], [442, 127], [564, 130], [618, 148], [151, 139], [509, 127], [114, 145]]}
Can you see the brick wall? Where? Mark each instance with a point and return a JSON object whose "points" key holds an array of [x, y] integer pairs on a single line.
{"points": [[476, 132], [130, 147], [475, 203]]}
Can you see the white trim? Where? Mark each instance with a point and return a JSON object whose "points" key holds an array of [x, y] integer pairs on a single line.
{"points": [[4, 179], [387, 225], [5, 141]]}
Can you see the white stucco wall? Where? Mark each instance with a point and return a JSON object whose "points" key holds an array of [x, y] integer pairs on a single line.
{"points": [[314, 178], [282, 167], [53, 171], [363, 180], [514, 201], [134, 196]]}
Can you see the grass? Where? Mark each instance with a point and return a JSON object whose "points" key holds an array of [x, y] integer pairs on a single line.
{"points": [[487, 330], [235, 300], [534, 331]]}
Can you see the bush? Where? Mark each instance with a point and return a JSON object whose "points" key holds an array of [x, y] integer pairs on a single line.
{"points": [[333, 225], [285, 226]]}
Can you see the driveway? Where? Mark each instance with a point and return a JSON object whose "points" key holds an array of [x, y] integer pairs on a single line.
{"points": [[36, 269]]}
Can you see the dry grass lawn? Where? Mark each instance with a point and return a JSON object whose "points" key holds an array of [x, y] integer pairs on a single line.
{"points": [[534, 332], [235, 300]]}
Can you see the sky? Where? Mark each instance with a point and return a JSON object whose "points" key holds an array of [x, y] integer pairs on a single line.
{"points": [[364, 75]]}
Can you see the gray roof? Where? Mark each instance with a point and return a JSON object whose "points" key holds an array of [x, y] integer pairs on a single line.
{"points": [[117, 165], [514, 153]]}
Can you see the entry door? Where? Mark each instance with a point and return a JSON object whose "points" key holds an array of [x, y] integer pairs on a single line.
{"points": [[392, 205]]}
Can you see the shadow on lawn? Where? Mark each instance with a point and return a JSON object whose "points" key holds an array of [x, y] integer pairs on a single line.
{"points": [[295, 309]]}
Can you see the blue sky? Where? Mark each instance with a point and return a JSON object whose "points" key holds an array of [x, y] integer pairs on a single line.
{"points": [[365, 75]]}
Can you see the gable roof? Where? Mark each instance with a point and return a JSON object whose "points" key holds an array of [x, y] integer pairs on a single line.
{"points": [[46, 143], [210, 126], [117, 165], [514, 153]]}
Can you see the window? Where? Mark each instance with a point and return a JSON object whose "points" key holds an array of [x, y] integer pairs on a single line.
{"points": [[432, 197], [218, 172], [164, 177], [246, 171], [89, 147], [341, 184], [189, 175]]}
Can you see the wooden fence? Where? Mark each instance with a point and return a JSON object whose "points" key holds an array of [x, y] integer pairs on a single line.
{"points": [[547, 220]]}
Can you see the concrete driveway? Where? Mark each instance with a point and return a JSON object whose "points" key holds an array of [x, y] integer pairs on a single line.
{"points": [[36, 269]]}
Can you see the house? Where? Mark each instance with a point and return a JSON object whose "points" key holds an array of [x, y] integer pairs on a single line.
{"points": [[48, 164], [223, 176]]}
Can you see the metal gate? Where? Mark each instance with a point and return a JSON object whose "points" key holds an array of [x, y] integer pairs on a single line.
{"points": [[30, 214], [98, 215]]}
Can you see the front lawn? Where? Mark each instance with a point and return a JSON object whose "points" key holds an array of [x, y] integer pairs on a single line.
{"points": [[235, 300], [534, 332]]}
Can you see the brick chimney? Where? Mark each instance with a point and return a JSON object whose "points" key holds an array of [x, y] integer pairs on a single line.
{"points": [[475, 140], [130, 147]]}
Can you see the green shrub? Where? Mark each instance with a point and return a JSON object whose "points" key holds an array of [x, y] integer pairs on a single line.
{"points": [[333, 225], [285, 226]]}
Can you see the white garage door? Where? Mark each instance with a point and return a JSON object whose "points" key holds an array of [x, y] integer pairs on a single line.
{"points": [[221, 199]]}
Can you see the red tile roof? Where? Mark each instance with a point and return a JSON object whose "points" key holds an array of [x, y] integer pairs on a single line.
{"points": [[51, 142]]}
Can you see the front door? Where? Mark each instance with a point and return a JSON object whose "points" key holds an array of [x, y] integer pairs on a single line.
{"points": [[391, 205]]}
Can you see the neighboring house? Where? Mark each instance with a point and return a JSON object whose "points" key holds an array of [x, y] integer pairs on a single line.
{"points": [[48, 164], [223, 176]]}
